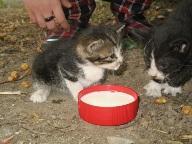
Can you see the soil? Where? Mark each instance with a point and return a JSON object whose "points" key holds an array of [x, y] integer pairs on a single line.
{"points": [[57, 121]]}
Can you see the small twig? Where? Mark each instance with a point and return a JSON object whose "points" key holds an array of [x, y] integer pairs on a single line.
{"points": [[5, 81], [164, 132], [62, 129], [10, 93], [20, 78]]}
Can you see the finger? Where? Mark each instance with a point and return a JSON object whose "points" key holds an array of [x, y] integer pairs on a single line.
{"points": [[50, 24], [60, 17], [40, 21], [66, 3]]}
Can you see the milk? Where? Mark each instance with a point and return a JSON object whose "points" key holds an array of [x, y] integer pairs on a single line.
{"points": [[107, 98]]}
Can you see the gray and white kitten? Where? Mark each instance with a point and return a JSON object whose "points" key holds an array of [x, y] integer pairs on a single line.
{"points": [[76, 62]]}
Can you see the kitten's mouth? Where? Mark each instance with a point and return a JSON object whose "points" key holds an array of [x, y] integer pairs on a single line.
{"points": [[118, 66], [112, 66], [160, 80]]}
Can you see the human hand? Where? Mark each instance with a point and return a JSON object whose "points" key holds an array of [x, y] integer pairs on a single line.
{"points": [[39, 10]]}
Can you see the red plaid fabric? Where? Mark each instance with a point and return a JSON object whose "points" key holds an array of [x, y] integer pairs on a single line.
{"points": [[130, 12], [127, 11], [78, 17]]}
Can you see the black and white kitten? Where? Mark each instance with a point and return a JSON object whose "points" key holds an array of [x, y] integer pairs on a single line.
{"points": [[76, 62], [168, 54]]}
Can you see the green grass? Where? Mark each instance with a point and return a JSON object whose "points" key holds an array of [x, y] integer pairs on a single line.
{"points": [[2, 4]]}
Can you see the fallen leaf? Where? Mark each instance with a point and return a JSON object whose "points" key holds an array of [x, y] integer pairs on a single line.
{"points": [[187, 110], [13, 76], [25, 84], [24, 66], [160, 100]]}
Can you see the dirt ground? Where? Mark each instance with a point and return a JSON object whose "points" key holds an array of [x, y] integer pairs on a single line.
{"points": [[56, 121]]}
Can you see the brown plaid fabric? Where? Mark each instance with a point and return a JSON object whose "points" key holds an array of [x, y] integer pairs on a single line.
{"points": [[127, 11]]}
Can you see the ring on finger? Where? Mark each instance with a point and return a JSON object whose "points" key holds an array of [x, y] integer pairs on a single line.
{"points": [[50, 18]]}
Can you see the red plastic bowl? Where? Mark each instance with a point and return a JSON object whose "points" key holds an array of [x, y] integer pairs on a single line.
{"points": [[108, 116]]}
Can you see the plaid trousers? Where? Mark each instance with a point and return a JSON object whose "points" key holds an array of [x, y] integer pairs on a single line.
{"points": [[79, 14]]}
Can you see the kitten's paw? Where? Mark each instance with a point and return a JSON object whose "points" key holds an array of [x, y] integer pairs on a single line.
{"points": [[171, 90], [39, 96], [153, 89]]}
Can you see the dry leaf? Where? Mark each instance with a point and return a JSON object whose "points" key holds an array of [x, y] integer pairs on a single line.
{"points": [[160, 100], [13, 76], [24, 66], [10, 78], [187, 110], [25, 84]]}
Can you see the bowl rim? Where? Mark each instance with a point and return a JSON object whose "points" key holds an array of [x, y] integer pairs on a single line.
{"points": [[108, 87]]}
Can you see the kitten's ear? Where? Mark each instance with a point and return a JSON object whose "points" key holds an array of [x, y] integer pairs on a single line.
{"points": [[180, 45], [95, 45]]}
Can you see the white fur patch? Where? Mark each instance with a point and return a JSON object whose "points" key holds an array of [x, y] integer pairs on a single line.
{"points": [[92, 74], [167, 89], [41, 93], [153, 71], [74, 88], [153, 89]]}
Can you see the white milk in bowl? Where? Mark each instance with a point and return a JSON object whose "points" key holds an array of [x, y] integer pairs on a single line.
{"points": [[107, 98]]}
